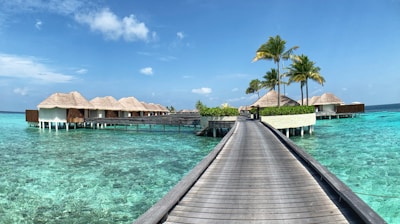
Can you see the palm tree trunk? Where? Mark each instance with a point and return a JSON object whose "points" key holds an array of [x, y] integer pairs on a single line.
{"points": [[279, 86], [307, 90], [302, 95]]}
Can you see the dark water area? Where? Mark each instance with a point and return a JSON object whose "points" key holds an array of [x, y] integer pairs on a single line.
{"points": [[386, 107]]}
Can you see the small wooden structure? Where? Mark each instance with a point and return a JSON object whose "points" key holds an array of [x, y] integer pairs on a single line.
{"points": [[178, 120], [32, 117]]}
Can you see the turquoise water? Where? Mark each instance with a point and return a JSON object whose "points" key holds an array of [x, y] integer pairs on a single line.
{"points": [[113, 176], [364, 152], [89, 176]]}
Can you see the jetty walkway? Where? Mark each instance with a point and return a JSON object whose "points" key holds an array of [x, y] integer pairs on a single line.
{"points": [[256, 175]]}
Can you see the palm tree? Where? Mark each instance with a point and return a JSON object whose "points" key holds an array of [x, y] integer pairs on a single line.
{"points": [[302, 70], [274, 49], [270, 79], [255, 86]]}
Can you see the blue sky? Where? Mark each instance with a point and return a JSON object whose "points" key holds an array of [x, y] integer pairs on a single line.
{"points": [[178, 52]]}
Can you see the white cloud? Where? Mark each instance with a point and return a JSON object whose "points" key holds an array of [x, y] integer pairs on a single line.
{"points": [[203, 90], [81, 71], [21, 91], [147, 71], [107, 23], [29, 68], [38, 24], [180, 35]]}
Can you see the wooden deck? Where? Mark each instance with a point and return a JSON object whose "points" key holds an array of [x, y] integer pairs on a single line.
{"points": [[173, 119], [255, 176]]}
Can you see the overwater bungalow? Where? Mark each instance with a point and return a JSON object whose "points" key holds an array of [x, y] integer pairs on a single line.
{"points": [[62, 109], [162, 110], [152, 109], [328, 105], [133, 108], [106, 107]]}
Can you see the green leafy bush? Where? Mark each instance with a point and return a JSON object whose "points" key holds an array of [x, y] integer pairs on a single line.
{"points": [[217, 111], [286, 110]]}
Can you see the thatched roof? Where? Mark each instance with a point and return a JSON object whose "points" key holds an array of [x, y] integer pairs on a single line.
{"points": [[270, 99], [72, 100], [244, 108], [311, 101], [107, 103], [132, 104], [150, 107], [328, 98], [162, 108]]}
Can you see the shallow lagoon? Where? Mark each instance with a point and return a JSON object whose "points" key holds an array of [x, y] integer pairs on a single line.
{"points": [[364, 152], [89, 176], [113, 176]]}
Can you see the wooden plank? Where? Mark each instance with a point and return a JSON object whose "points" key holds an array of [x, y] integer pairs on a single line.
{"points": [[157, 213]]}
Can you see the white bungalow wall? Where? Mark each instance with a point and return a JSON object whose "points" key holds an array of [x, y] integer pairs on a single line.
{"points": [[53, 115], [97, 113], [329, 108]]}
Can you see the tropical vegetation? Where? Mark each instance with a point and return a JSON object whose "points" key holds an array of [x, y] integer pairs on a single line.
{"points": [[255, 86], [219, 111], [275, 49], [286, 110], [301, 70], [224, 110], [270, 79]]}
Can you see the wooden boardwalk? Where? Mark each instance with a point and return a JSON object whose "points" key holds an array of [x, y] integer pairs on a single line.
{"points": [[255, 178]]}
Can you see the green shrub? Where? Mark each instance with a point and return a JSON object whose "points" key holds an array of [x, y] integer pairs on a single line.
{"points": [[217, 111], [286, 110]]}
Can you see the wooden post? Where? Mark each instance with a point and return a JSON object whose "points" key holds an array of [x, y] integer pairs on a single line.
{"points": [[287, 132], [302, 131], [214, 132]]}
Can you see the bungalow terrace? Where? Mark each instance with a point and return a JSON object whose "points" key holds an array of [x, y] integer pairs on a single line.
{"points": [[62, 109]]}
